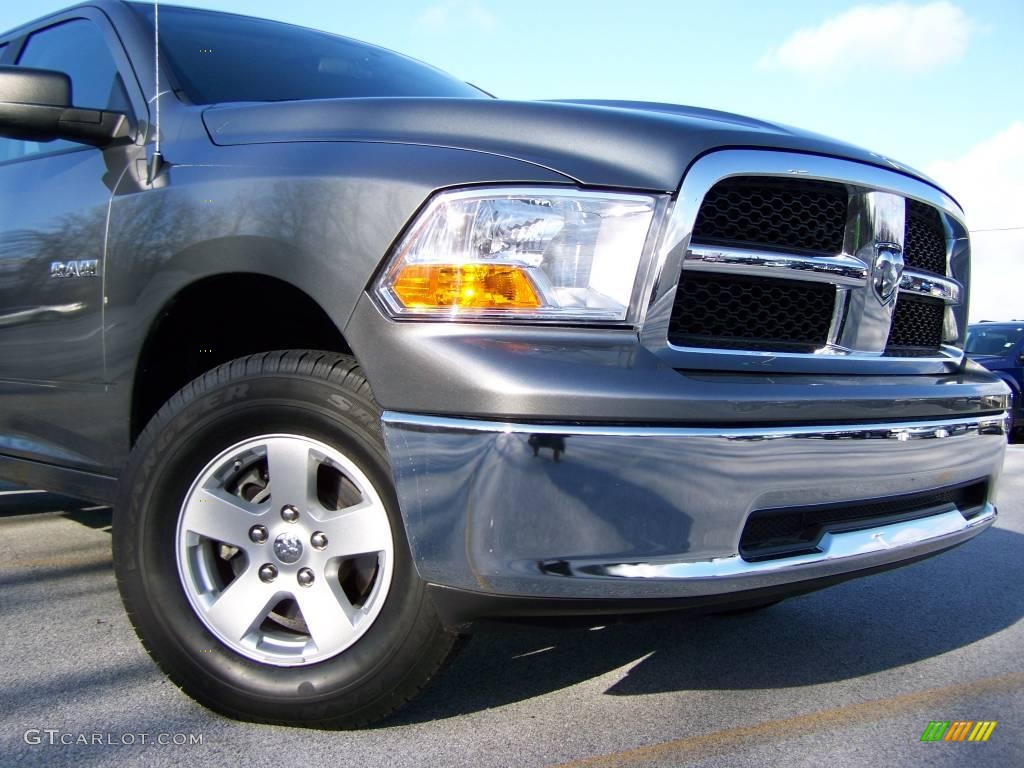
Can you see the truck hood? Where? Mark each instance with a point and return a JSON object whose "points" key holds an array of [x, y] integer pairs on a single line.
{"points": [[634, 145]]}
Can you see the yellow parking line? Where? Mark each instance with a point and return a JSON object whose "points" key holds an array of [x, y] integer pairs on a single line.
{"points": [[723, 742]]}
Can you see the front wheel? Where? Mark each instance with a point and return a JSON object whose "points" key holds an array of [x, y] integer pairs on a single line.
{"points": [[260, 553]]}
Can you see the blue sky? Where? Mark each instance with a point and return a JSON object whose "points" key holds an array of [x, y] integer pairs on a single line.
{"points": [[937, 84]]}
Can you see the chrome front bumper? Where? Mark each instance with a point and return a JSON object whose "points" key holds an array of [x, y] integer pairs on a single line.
{"points": [[657, 512]]}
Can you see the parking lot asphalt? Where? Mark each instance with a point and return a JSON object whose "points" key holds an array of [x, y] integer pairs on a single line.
{"points": [[849, 676]]}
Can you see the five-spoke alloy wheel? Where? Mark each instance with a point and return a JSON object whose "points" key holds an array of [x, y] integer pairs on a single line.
{"points": [[260, 552], [284, 550]]}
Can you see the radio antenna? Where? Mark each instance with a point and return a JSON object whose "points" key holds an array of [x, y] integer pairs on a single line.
{"points": [[157, 161]]}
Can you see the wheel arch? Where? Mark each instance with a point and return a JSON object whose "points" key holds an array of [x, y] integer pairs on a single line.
{"points": [[217, 318]]}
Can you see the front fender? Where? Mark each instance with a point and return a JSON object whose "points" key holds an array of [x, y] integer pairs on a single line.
{"points": [[318, 216]]}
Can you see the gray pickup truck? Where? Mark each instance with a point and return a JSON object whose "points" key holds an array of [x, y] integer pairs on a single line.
{"points": [[361, 354]]}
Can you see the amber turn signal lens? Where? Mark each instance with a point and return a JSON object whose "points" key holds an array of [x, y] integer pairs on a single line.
{"points": [[464, 286]]}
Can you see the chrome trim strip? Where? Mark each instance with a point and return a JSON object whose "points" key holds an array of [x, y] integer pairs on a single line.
{"points": [[842, 270], [834, 548], [948, 356], [838, 270], [924, 284], [902, 432], [839, 311]]}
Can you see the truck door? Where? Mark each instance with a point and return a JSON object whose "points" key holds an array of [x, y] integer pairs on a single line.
{"points": [[54, 199]]}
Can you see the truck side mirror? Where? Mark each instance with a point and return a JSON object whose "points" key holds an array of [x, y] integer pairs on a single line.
{"points": [[35, 105]]}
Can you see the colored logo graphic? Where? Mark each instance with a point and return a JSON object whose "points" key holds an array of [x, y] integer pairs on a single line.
{"points": [[959, 730]]}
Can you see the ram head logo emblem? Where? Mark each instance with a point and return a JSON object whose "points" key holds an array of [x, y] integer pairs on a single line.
{"points": [[887, 273]]}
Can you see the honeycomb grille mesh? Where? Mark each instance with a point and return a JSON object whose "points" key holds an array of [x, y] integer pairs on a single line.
{"points": [[774, 213], [916, 323], [730, 312], [924, 244]]}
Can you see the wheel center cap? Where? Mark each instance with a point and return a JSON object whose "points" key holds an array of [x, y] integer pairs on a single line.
{"points": [[288, 548]]}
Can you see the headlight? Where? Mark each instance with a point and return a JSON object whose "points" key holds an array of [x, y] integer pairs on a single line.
{"points": [[524, 254]]}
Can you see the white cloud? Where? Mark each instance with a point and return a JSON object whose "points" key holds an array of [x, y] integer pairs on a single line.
{"points": [[988, 181], [451, 13], [997, 274], [897, 37]]}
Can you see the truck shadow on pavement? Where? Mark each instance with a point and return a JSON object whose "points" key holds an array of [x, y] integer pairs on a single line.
{"points": [[17, 502], [859, 628], [854, 629]]}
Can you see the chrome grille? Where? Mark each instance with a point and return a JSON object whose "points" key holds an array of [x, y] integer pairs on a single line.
{"points": [[797, 258]]}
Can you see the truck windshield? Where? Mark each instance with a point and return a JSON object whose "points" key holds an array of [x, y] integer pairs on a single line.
{"points": [[219, 57], [993, 340]]}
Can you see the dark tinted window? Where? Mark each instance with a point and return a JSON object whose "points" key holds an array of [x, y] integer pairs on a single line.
{"points": [[78, 49], [219, 57], [993, 339], [3, 49]]}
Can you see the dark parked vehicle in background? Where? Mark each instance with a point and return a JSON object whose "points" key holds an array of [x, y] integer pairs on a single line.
{"points": [[364, 354], [1000, 348]]}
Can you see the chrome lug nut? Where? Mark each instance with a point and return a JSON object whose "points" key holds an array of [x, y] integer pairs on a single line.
{"points": [[268, 573], [318, 540], [289, 514], [258, 534], [305, 577]]}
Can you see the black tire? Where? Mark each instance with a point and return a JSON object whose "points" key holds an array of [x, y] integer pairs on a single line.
{"points": [[325, 397]]}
